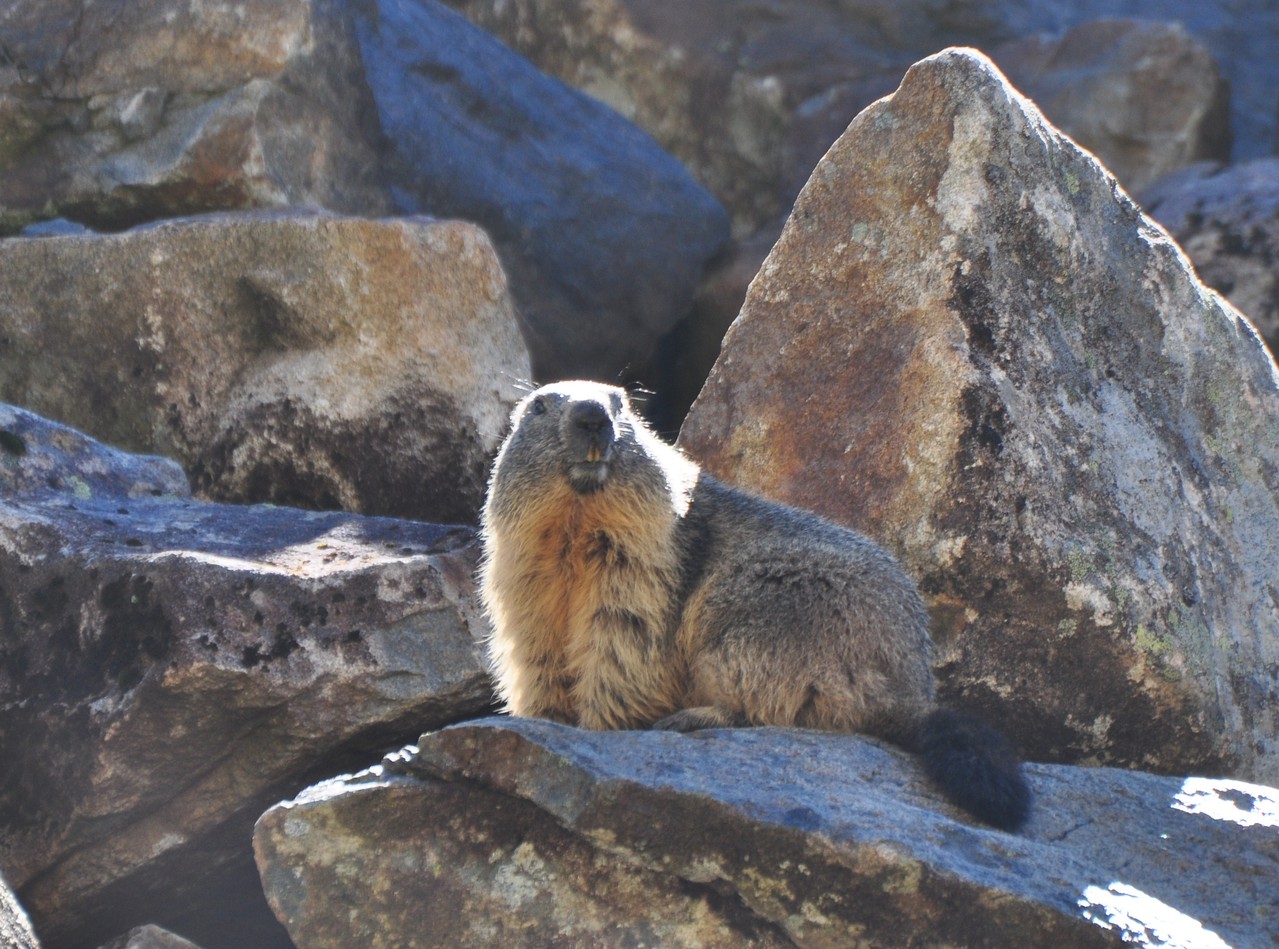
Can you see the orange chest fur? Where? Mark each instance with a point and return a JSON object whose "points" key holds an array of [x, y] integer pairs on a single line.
{"points": [[590, 558]]}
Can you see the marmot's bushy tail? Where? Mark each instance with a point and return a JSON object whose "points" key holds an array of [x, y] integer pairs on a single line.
{"points": [[975, 767]]}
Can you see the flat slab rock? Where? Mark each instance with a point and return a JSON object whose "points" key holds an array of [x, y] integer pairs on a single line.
{"points": [[168, 668], [520, 832]]}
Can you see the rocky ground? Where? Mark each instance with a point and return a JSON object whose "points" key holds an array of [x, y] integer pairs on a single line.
{"points": [[273, 275]]}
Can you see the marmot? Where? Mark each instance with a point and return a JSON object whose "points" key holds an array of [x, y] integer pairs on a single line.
{"points": [[629, 589]]}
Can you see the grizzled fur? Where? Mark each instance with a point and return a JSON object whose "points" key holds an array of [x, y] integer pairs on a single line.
{"points": [[628, 589]]}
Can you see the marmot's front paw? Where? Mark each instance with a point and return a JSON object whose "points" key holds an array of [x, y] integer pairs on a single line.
{"points": [[695, 719]]}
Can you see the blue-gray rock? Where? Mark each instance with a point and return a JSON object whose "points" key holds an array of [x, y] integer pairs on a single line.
{"points": [[42, 458], [603, 234], [517, 832], [169, 668], [56, 227]]}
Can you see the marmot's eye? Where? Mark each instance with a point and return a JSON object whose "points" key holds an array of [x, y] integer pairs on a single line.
{"points": [[538, 406]]}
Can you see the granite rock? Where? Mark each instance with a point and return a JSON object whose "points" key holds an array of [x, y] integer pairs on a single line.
{"points": [[117, 113], [1226, 219], [276, 355], [525, 833], [1144, 96], [970, 344]]}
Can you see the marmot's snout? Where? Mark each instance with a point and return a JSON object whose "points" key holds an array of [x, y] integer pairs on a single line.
{"points": [[588, 437]]}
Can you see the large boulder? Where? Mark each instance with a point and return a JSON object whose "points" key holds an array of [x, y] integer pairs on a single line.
{"points": [[1227, 221], [170, 668], [276, 355], [603, 233], [526, 833], [970, 344], [124, 112]]}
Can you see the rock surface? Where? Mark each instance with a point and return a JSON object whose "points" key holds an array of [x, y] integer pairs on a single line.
{"points": [[169, 668], [971, 345], [1240, 34], [149, 937], [750, 97], [741, 93], [526, 833], [689, 351], [15, 927], [1144, 97], [1227, 221], [604, 235], [116, 113], [716, 83], [274, 355]]}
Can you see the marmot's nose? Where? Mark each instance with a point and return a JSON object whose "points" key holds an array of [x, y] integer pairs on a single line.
{"points": [[591, 417]]}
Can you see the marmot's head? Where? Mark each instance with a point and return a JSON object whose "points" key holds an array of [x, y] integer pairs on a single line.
{"points": [[582, 432], [586, 436], [584, 440]]}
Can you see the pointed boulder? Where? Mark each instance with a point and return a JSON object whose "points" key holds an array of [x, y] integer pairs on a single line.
{"points": [[970, 343]]}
